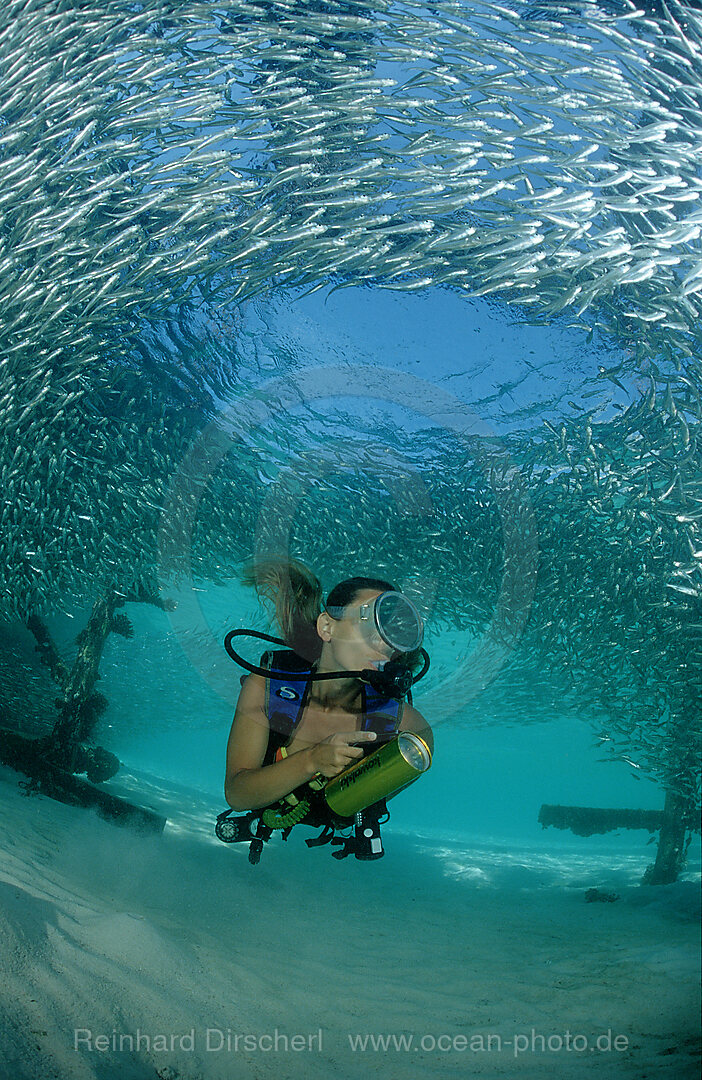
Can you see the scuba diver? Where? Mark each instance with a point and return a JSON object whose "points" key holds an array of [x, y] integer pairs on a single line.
{"points": [[322, 734]]}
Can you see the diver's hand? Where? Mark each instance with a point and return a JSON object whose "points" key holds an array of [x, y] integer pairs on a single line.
{"points": [[337, 752]]}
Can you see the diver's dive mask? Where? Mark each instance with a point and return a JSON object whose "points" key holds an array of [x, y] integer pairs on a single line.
{"points": [[390, 620]]}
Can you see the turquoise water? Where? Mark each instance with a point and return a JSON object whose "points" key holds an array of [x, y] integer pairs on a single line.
{"points": [[395, 290], [531, 734]]}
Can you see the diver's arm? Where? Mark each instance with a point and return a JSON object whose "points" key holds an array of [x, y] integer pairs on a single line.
{"points": [[248, 784], [414, 721]]}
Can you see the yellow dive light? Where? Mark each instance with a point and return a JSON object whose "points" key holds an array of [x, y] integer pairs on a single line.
{"points": [[384, 772]]}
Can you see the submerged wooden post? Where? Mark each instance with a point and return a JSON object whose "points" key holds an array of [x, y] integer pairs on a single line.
{"points": [[672, 844], [674, 823], [48, 651], [65, 737], [82, 706], [51, 762]]}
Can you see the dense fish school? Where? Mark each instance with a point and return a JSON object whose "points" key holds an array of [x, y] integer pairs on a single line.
{"points": [[158, 161]]}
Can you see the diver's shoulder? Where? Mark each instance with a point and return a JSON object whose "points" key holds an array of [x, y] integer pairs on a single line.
{"points": [[410, 715], [253, 691], [412, 720]]}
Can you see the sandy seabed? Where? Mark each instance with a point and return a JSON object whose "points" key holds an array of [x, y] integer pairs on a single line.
{"points": [[131, 957]]}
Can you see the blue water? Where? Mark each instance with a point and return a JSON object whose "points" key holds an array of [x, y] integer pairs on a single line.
{"points": [[496, 761], [364, 431]]}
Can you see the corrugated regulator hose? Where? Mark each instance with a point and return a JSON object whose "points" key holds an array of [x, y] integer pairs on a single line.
{"points": [[275, 820]]}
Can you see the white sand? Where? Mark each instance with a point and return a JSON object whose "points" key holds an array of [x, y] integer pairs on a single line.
{"points": [[117, 935]]}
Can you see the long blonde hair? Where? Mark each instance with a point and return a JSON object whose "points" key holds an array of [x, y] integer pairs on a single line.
{"points": [[296, 595]]}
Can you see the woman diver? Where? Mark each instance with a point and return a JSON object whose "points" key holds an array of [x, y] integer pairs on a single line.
{"points": [[310, 712]]}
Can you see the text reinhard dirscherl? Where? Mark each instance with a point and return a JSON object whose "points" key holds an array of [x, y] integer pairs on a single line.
{"points": [[211, 1040]]}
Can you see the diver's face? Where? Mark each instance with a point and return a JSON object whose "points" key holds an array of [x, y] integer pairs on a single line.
{"points": [[351, 648]]}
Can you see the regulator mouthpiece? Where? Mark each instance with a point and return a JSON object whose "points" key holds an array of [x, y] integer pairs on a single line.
{"points": [[392, 679]]}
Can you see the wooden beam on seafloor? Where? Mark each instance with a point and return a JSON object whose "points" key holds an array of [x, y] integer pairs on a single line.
{"points": [[26, 756]]}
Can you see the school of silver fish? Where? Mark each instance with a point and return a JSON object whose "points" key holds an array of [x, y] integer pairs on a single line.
{"points": [[159, 158]]}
